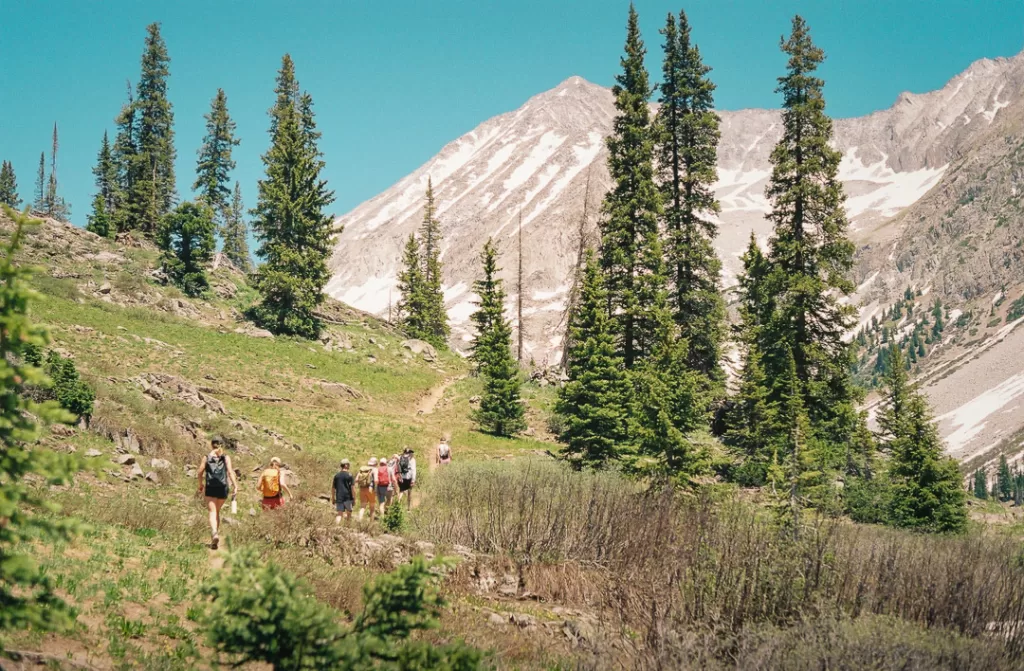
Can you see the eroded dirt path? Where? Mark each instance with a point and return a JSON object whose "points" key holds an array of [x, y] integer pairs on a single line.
{"points": [[426, 405]]}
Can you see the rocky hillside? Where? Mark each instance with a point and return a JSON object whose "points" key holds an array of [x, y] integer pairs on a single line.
{"points": [[536, 161]]}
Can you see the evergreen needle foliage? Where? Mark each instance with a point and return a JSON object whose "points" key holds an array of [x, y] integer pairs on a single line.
{"points": [[501, 410], [258, 612], [595, 403], [213, 169], [186, 237], [9, 186], [235, 234], [294, 232], [421, 310], [73, 394], [688, 134], [27, 598]]}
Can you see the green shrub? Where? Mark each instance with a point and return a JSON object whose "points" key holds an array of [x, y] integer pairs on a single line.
{"points": [[394, 518], [73, 394], [1016, 310], [867, 501]]}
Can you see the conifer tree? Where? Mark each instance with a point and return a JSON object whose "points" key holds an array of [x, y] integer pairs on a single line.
{"points": [[235, 234], [688, 135], [108, 193], [631, 254], [54, 205], [926, 485], [595, 403], [412, 310], [501, 411], [153, 191], [125, 155], [980, 484], [99, 220], [810, 255], [435, 318], [215, 163], [27, 591], [187, 238], [1004, 480], [9, 186], [752, 421], [39, 204], [294, 233]]}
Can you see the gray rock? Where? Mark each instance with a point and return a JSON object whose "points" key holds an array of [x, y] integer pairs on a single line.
{"points": [[153, 477], [421, 347], [160, 464], [124, 459], [136, 472], [93, 453], [495, 618], [105, 288]]}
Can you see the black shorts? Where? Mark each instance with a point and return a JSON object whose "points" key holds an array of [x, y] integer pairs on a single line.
{"points": [[216, 491], [405, 485]]}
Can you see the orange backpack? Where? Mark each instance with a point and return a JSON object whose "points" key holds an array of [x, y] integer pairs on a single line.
{"points": [[270, 483]]}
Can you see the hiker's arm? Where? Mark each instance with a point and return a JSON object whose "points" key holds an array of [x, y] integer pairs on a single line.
{"points": [[231, 475], [334, 488], [200, 473], [284, 484]]}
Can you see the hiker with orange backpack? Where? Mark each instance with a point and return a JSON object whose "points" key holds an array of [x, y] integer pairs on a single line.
{"points": [[271, 484], [367, 496]]}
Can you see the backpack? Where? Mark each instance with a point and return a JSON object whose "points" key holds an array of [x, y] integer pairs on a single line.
{"points": [[217, 471], [444, 451], [383, 476], [270, 483], [365, 477], [405, 467]]}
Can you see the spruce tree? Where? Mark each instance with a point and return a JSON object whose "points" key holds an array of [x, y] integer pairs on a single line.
{"points": [[187, 238], [980, 484], [235, 234], [39, 204], [810, 255], [99, 220], [108, 194], [595, 403], [125, 155], [435, 317], [153, 191], [214, 166], [688, 135], [1004, 480], [926, 485], [412, 310], [54, 205], [9, 186], [500, 411], [631, 254], [752, 421], [295, 235]]}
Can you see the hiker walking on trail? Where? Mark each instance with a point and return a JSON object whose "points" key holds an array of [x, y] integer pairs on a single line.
{"points": [[383, 477], [407, 476], [273, 486], [215, 476], [364, 482], [343, 494], [444, 452], [396, 479]]}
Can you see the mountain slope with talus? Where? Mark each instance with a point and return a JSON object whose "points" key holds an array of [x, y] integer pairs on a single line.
{"points": [[537, 161]]}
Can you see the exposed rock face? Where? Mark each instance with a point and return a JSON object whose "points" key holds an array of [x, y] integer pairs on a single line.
{"points": [[537, 160], [159, 386]]}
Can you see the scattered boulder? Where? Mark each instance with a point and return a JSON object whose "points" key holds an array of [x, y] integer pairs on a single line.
{"points": [[93, 453], [124, 459], [105, 288], [160, 464], [153, 477], [136, 472], [159, 386], [340, 389], [254, 332], [127, 442], [336, 342], [473, 400], [497, 619], [421, 347]]}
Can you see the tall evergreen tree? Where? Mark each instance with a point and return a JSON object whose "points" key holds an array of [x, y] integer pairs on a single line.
{"points": [[39, 203], [500, 411], [125, 155], [687, 148], [980, 484], [294, 233], [412, 311], [235, 234], [1004, 481], [810, 255], [52, 201], [752, 421], [595, 403], [435, 317], [631, 254], [215, 163], [9, 186], [187, 238], [108, 193], [99, 220], [926, 485], [153, 191]]}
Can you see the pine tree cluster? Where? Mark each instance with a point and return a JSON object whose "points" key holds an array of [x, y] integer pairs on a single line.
{"points": [[9, 186], [421, 310]]}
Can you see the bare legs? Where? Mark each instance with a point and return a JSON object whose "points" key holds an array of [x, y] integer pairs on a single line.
{"points": [[214, 506]]}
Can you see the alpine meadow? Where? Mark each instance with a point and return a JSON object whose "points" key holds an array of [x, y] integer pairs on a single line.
{"points": [[619, 379]]}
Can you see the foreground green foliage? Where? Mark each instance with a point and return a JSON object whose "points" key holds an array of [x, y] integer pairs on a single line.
{"points": [[27, 598], [260, 612], [294, 232]]}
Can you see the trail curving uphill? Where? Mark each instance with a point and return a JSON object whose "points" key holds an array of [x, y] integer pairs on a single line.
{"points": [[426, 405]]}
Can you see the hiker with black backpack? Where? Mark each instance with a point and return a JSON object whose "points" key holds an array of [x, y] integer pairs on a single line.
{"points": [[215, 476], [407, 475]]}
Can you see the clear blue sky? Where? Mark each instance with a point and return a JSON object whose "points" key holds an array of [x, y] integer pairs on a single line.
{"points": [[394, 81]]}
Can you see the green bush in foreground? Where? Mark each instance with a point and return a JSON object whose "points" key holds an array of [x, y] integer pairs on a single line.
{"points": [[261, 613]]}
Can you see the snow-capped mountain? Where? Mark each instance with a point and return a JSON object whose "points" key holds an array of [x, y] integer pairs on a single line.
{"points": [[536, 162]]}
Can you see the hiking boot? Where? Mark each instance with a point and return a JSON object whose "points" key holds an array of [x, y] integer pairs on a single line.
{"points": [[215, 543]]}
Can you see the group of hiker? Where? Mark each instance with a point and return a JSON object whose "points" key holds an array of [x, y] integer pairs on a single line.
{"points": [[381, 483]]}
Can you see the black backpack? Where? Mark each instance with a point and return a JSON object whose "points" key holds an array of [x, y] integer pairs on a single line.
{"points": [[405, 467], [217, 471]]}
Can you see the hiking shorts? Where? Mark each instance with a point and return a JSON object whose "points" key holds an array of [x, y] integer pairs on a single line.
{"points": [[366, 497], [405, 485], [216, 491], [382, 493], [344, 506], [271, 502]]}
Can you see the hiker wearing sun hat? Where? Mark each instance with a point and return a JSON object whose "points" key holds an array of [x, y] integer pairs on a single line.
{"points": [[343, 494], [364, 482], [382, 480]]}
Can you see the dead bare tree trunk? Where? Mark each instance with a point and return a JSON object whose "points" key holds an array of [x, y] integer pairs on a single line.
{"points": [[577, 269]]}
